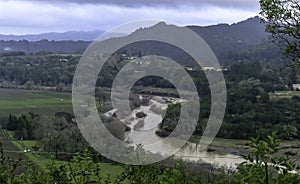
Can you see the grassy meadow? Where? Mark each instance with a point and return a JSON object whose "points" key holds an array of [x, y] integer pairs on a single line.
{"points": [[16, 101], [16, 149], [284, 94]]}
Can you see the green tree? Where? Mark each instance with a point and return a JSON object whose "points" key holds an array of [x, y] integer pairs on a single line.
{"points": [[81, 169], [264, 151], [264, 97], [157, 174], [12, 123], [262, 166], [7, 168], [283, 22]]}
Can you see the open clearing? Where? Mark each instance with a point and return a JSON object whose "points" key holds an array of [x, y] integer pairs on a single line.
{"points": [[284, 94], [43, 159], [16, 149], [16, 101]]}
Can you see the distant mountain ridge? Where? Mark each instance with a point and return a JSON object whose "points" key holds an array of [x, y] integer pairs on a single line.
{"points": [[230, 43], [243, 41], [52, 36], [250, 30], [227, 39]]}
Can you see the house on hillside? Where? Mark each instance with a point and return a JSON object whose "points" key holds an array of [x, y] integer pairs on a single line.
{"points": [[192, 68], [189, 68], [211, 68], [296, 87]]}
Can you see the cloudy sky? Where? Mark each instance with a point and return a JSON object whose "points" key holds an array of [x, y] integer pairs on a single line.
{"points": [[29, 16]]}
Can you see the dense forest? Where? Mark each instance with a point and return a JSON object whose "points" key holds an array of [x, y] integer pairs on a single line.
{"points": [[251, 109]]}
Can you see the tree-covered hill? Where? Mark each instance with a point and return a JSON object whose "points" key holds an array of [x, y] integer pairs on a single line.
{"points": [[230, 43]]}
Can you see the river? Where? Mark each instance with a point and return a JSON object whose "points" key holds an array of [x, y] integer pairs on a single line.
{"points": [[143, 132]]}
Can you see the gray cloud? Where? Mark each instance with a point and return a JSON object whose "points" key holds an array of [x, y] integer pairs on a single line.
{"points": [[243, 4], [58, 16]]}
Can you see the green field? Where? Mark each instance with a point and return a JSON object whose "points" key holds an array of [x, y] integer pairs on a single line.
{"points": [[43, 159], [17, 101], [284, 94], [42, 102]]}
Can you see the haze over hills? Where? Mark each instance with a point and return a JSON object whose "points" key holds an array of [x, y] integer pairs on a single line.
{"points": [[70, 35], [251, 30], [225, 39], [230, 43]]}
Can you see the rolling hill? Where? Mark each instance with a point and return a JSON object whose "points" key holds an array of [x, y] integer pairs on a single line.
{"points": [[241, 41]]}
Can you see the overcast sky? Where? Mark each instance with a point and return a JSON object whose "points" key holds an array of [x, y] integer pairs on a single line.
{"points": [[29, 16]]}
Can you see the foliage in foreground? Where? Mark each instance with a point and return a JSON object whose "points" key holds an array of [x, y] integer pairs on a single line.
{"points": [[261, 166], [82, 169], [282, 18]]}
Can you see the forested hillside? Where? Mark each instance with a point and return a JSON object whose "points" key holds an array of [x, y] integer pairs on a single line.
{"points": [[243, 41]]}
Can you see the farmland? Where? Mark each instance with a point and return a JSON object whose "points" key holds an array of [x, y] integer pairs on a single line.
{"points": [[43, 159], [16, 101], [4, 135], [16, 149]]}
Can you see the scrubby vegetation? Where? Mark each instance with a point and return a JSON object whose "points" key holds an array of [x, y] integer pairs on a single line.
{"points": [[261, 166]]}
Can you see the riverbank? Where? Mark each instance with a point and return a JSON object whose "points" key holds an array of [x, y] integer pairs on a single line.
{"points": [[145, 134], [220, 152], [241, 147]]}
